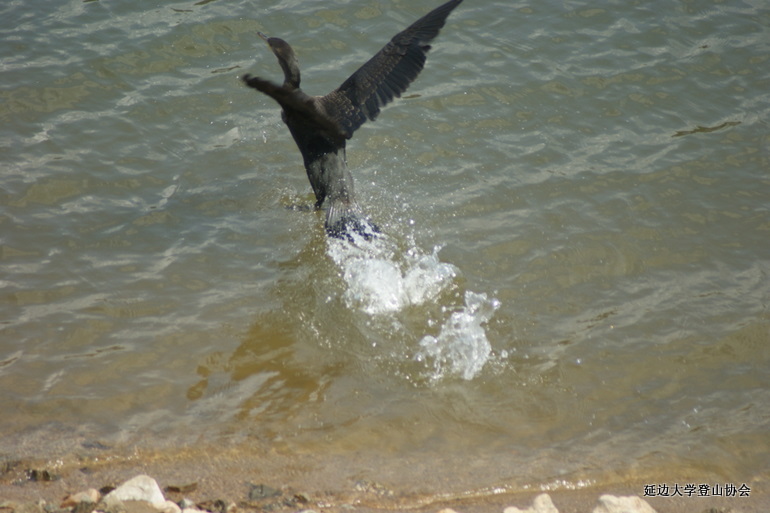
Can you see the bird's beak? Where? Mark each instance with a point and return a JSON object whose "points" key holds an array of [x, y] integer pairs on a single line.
{"points": [[260, 34]]}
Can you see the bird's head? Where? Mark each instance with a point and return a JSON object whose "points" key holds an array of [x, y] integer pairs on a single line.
{"points": [[280, 48], [286, 58]]}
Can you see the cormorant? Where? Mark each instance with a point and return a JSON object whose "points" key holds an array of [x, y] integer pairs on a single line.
{"points": [[320, 125]]}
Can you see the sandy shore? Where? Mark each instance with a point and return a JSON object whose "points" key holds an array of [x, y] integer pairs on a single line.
{"points": [[225, 484]]}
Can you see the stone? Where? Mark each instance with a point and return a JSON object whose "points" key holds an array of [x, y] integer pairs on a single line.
{"points": [[170, 507], [139, 488], [613, 504], [72, 500], [262, 491], [137, 507], [187, 504], [83, 507], [111, 506], [541, 504], [41, 475]]}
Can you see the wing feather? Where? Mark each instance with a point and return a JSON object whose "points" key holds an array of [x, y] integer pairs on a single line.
{"points": [[386, 75]]}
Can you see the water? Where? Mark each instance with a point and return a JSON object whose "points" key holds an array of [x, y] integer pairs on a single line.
{"points": [[573, 287]]}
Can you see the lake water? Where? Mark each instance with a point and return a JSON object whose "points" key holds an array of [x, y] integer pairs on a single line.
{"points": [[573, 286]]}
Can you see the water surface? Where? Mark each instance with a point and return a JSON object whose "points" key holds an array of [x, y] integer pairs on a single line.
{"points": [[573, 286]]}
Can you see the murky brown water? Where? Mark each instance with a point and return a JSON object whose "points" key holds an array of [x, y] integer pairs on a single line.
{"points": [[573, 288]]}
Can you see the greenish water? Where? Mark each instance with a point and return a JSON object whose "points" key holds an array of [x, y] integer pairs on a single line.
{"points": [[574, 284]]}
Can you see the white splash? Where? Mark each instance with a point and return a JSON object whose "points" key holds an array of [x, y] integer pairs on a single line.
{"points": [[462, 346], [380, 280], [427, 276], [378, 283]]}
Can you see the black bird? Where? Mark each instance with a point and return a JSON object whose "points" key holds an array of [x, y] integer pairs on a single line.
{"points": [[320, 125]]}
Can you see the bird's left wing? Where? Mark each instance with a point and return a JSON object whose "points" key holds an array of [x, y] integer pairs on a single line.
{"points": [[386, 75]]}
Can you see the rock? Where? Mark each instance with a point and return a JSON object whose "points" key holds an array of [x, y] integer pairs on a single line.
{"points": [[541, 504], [134, 507], [170, 507], [104, 490], [187, 504], [218, 506], [41, 475], [111, 506], [373, 487], [613, 504], [139, 488], [447, 510], [181, 489], [71, 501], [84, 507], [262, 491]]}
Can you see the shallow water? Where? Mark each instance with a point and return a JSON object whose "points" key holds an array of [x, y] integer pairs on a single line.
{"points": [[573, 284]]}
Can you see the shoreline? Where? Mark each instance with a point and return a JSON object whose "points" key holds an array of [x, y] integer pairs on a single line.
{"points": [[223, 485]]}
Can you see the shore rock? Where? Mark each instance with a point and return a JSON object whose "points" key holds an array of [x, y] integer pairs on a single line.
{"points": [[606, 504], [139, 488], [70, 501], [613, 504], [541, 504], [187, 504], [170, 507]]}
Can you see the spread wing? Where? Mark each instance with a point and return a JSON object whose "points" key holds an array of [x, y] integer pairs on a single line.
{"points": [[386, 75]]}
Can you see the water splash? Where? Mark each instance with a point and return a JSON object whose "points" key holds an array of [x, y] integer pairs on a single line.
{"points": [[462, 346], [381, 280]]}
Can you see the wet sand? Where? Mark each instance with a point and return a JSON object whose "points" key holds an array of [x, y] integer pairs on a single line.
{"points": [[206, 475]]}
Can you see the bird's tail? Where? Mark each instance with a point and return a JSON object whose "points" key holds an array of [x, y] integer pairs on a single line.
{"points": [[344, 218]]}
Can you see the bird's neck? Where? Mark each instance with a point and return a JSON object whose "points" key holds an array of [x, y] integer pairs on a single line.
{"points": [[290, 75]]}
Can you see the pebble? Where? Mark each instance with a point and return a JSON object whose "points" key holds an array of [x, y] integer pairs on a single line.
{"points": [[139, 488], [607, 504], [262, 491], [170, 507], [142, 494], [90, 495], [187, 504], [541, 504], [612, 504]]}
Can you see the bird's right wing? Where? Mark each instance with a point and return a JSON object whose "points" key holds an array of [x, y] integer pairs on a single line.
{"points": [[299, 106], [386, 75]]}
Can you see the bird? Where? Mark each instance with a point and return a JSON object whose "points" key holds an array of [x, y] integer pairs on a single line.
{"points": [[321, 125]]}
